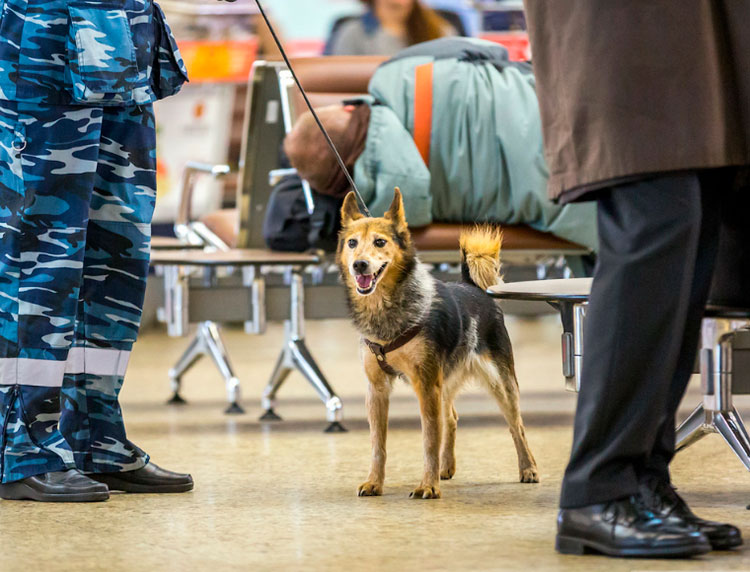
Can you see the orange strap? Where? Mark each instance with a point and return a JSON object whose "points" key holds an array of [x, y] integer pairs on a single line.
{"points": [[423, 110]]}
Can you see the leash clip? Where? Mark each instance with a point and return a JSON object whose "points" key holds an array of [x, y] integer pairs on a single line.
{"points": [[378, 351]]}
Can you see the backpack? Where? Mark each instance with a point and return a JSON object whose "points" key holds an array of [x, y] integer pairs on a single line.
{"points": [[288, 227]]}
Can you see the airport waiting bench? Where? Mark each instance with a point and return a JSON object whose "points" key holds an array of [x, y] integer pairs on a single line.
{"points": [[724, 359], [273, 104]]}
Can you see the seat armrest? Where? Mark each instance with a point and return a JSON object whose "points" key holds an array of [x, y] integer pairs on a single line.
{"points": [[193, 170], [277, 174]]}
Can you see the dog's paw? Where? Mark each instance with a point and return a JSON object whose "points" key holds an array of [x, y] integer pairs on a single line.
{"points": [[529, 475], [447, 473], [423, 492], [369, 489]]}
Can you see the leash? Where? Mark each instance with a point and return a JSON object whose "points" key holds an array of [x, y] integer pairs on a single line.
{"points": [[380, 350], [314, 114]]}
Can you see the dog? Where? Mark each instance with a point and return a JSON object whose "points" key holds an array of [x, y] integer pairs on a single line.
{"points": [[435, 335]]}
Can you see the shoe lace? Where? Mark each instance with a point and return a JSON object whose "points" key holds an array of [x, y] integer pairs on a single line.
{"points": [[660, 498], [626, 512], [669, 498]]}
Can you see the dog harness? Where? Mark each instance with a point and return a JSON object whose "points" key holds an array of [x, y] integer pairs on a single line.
{"points": [[380, 350]]}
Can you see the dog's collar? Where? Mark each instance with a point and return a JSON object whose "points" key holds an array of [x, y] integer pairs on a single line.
{"points": [[380, 350]]}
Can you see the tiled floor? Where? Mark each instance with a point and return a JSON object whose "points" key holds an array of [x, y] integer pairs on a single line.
{"points": [[282, 496]]}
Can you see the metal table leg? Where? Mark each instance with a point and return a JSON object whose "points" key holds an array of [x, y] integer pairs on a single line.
{"points": [[296, 355]]}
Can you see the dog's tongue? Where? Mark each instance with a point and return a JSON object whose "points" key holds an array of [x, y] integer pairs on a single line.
{"points": [[364, 281]]}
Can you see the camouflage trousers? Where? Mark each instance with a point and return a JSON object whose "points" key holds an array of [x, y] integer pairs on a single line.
{"points": [[77, 192]]}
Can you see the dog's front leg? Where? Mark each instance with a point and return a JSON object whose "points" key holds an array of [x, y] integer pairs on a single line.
{"points": [[429, 392], [378, 398]]}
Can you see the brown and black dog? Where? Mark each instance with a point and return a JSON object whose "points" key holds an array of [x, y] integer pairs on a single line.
{"points": [[446, 333]]}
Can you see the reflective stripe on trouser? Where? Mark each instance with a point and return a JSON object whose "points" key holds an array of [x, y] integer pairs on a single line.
{"points": [[77, 191]]}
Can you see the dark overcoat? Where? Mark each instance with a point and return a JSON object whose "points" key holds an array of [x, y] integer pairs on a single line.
{"points": [[628, 88]]}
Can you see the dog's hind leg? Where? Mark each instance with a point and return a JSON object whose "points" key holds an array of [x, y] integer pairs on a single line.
{"points": [[450, 424], [500, 377]]}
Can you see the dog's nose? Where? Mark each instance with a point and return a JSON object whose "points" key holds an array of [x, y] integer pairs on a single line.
{"points": [[360, 266]]}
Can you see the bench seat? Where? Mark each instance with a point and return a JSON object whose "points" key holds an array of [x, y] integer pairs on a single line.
{"points": [[435, 237]]}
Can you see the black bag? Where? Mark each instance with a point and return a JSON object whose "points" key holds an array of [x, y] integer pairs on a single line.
{"points": [[289, 227]]}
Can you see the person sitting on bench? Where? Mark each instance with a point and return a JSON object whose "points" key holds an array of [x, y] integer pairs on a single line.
{"points": [[456, 126]]}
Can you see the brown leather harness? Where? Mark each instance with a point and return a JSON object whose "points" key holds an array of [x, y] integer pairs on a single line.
{"points": [[380, 350]]}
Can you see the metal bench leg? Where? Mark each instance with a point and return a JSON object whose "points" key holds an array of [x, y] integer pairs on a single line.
{"points": [[735, 415], [218, 352], [284, 366], [208, 341], [191, 355], [694, 428], [296, 355], [734, 436], [717, 414]]}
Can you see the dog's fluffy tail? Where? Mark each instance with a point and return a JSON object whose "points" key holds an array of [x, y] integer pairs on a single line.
{"points": [[480, 256]]}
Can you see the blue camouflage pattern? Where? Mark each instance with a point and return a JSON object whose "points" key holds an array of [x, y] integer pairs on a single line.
{"points": [[92, 424], [87, 52], [77, 192], [30, 439]]}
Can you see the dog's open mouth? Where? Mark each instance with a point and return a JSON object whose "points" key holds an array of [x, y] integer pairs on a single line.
{"points": [[366, 282]]}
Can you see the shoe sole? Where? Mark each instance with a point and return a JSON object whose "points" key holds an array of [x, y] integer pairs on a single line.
{"points": [[725, 544], [115, 484], [22, 491], [568, 545]]}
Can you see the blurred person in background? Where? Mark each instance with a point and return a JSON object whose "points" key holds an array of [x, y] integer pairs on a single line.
{"points": [[387, 27]]}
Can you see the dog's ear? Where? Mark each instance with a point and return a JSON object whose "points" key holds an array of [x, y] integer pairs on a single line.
{"points": [[396, 211], [350, 209]]}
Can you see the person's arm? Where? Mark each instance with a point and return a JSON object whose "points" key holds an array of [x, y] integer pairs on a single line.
{"points": [[391, 159]]}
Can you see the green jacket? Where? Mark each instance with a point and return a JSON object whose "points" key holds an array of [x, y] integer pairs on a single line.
{"points": [[486, 157]]}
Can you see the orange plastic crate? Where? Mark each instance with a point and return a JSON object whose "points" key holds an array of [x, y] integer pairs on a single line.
{"points": [[219, 61]]}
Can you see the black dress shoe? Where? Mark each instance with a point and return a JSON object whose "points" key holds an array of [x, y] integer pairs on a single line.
{"points": [[64, 486], [149, 479], [662, 499], [623, 528]]}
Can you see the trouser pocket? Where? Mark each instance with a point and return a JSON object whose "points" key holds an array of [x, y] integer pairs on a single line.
{"points": [[102, 66]]}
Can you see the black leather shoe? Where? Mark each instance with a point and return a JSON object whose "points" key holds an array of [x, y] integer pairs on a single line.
{"points": [[64, 486], [623, 528], [662, 499], [149, 479]]}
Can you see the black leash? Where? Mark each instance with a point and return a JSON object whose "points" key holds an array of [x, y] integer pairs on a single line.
{"points": [[314, 114]]}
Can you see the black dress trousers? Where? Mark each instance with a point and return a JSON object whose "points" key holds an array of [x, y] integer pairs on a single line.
{"points": [[659, 239]]}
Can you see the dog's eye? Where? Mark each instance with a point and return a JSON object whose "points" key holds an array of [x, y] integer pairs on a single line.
{"points": [[352, 243], [380, 242]]}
